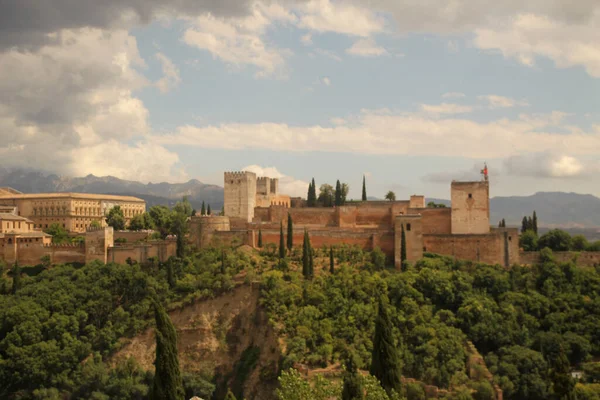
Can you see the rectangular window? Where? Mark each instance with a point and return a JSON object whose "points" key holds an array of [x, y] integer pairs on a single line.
{"points": [[470, 195], [408, 227]]}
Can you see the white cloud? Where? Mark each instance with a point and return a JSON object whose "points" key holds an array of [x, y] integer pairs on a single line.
{"points": [[446, 108], [306, 39], [495, 101], [548, 164], [529, 36], [328, 54], [287, 184], [326, 81], [366, 48], [240, 41], [170, 71], [386, 132], [69, 107], [453, 95], [338, 17]]}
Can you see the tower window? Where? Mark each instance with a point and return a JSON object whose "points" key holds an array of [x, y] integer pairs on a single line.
{"points": [[408, 227], [470, 195]]}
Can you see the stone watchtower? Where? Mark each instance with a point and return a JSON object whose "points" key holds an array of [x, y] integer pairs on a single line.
{"points": [[240, 195], [470, 207], [97, 242]]}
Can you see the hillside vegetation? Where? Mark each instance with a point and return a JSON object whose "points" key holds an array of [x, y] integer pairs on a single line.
{"points": [[245, 317]]}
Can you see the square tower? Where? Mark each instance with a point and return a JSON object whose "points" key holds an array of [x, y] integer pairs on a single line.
{"points": [[413, 235], [240, 195], [470, 207]]}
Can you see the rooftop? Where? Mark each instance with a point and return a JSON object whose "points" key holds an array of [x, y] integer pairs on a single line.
{"points": [[86, 196], [13, 217], [34, 234]]}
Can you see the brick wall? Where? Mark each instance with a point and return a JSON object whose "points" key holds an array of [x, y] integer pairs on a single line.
{"points": [[132, 236], [435, 220], [141, 252], [584, 258], [499, 247]]}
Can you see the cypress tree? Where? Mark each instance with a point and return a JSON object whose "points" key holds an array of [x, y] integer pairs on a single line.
{"points": [[560, 375], [290, 233], [167, 383], [311, 261], [170, 274], [503, 223], [402, 246], [331, 260], [223, 270], [208, 212], [352, 388], [524, 225], [16, 275], [305, 257], [281, 241], [338, 193], [529, 223], [311, 198], [364, 191], [203, 209], [534, 227], [385, 363], [260, 243]]}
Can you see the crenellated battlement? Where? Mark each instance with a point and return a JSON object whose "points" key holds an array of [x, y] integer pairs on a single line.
{"points": [[94, 228], [238, 174], [64, 245]]}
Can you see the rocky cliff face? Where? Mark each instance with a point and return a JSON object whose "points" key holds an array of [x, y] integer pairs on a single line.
{"points": [[228, 337]]}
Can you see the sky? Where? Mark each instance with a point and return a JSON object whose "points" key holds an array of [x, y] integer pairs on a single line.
{"points": [[410, 94]]}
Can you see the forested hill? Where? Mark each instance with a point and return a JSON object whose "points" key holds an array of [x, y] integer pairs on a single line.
{"points": [[154, 193]]}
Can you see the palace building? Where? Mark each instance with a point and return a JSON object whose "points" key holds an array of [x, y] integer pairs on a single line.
{"points": [[73, 211]]}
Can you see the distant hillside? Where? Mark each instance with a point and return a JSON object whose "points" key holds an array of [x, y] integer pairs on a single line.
{"points": [[154, 193], [554, 209]]}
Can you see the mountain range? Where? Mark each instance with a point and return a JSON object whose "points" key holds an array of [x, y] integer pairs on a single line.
{"points": [[554, 209]]}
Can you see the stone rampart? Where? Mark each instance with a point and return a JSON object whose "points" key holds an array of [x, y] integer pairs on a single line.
{"points": [[63, 253], [501, 246], [584, 258], [160, 250], [132, 236], [435, 220]]}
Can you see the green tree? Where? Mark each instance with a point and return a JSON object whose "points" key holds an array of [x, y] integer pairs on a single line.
{"points": [[579, 243], [179, 228], [208, 211], [281, 241], [555, 240], [364, 190], [331, 260], [161, 219], [534, 223], [391, 196], [170, 274], [524, 225], [293, 387], [59, 234], [385, 362], [338, 193], [95, 224], [503, 223], [433, 204], [290, 233], [115, 218], [306, 256], [352, 386], [311, 199], [183, 207], [560, 375], [16, 275], [326, 195], [203, 209], [402, 246], [528, 241], [260, 242], [345, 189], [167, 383], [137, 223]]}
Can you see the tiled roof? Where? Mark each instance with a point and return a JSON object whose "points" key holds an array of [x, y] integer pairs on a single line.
{"points": [[13, 217], [84, 196]]}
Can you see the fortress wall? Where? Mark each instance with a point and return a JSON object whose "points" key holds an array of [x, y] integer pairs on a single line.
{"points": [[312, 216], [374, 216], [499, 247], [229, 238], [346, 216], [31, 253], [470, 207], [261, 214], [64, 253], [159, 249], [132, 236], [435, 220], [584, 258]]}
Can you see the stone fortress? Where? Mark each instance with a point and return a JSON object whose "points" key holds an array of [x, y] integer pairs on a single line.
{"points": [[23, 216], [462, 230], [74, 211]]}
